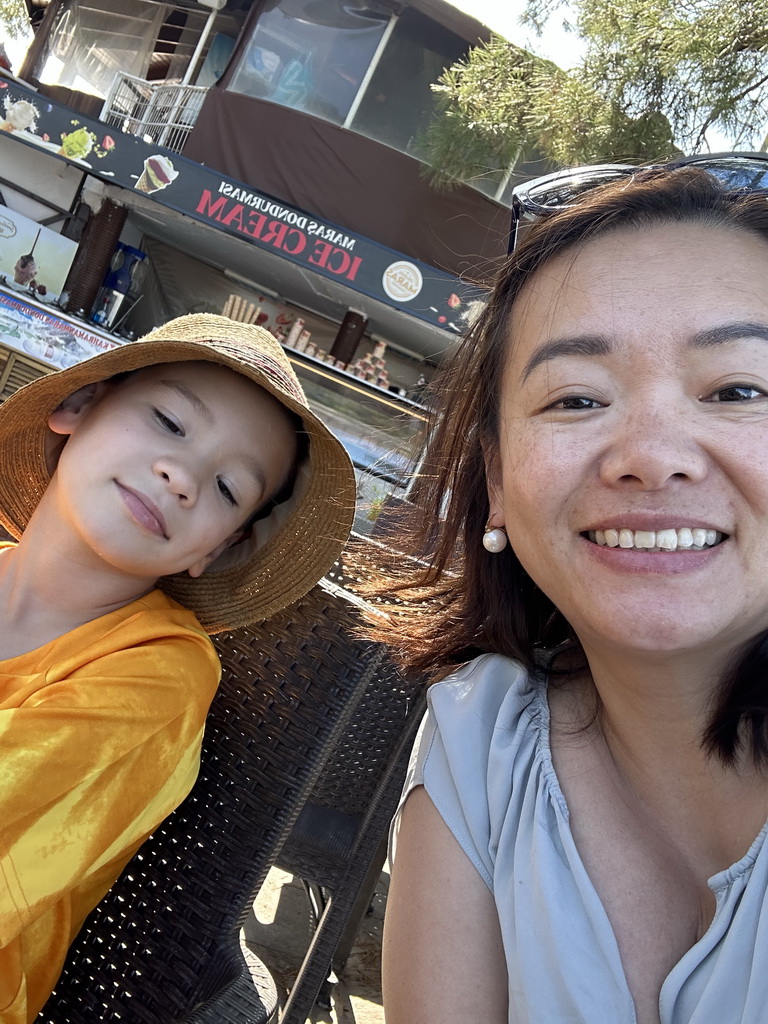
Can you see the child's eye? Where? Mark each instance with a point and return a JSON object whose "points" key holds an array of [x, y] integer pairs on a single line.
{"points": [[736, 393], [168, 423], [228, 495]]}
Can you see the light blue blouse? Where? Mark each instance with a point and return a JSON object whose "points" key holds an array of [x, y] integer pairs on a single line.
{"points": [[483, 756]]}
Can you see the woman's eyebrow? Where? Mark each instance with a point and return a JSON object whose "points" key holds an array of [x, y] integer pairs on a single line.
{"points": [[599, 345], [737, 331], [579, 345]]}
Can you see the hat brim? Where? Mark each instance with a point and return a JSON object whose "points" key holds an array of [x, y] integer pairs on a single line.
{"points": [[291, 550]]}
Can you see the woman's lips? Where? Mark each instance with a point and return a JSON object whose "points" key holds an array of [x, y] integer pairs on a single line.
{"points": [[143, 510]]}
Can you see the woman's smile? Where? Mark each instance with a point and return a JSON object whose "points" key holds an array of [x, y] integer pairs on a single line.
{"points": [[642, 551], [668, 539]]}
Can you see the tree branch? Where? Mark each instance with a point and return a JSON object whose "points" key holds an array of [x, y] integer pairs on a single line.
{"points": [[717, 111]]}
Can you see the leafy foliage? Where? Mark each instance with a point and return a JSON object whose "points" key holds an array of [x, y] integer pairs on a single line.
{"points": [[656, 75], [14, 19]]}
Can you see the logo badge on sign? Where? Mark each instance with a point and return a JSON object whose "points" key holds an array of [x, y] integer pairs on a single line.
{"points": [[402, 281], [7, 227]]}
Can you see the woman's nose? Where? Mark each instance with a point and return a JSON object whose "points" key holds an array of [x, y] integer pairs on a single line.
{"points": [[650, 449], [179, 478]]}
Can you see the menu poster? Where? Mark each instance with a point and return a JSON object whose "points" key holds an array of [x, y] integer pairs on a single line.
{"points": [[47, 337], [33, 258]]}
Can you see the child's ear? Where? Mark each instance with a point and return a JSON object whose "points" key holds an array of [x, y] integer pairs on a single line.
{"points": [[72, 410], [199, 567]]}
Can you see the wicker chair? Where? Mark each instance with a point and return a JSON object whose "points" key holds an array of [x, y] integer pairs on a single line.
{"points": [[164, 945], [339, 842]]}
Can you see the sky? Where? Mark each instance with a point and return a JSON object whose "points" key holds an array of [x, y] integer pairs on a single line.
{"points": [[503, 16], [16, 48]]}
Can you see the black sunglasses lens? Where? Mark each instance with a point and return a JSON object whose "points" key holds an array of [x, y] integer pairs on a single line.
{"points": [[738, 173], [566, 189]]}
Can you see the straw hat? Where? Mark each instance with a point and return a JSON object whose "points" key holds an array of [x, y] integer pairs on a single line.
{"points": [[289, 550]]}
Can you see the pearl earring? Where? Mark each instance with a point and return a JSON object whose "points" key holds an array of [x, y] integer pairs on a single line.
{"points": [[494, 540]]}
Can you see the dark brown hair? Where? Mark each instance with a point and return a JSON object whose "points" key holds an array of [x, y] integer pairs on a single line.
{"points": [[452, 600]]}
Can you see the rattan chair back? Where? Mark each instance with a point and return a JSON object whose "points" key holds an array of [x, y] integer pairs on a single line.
{"points": [[164, 945], [338, 844]]}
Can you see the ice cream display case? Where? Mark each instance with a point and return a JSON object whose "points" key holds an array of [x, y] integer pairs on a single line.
{"points": [[36, 338], [380, 429]]}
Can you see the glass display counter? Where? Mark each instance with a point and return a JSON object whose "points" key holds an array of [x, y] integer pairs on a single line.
{"points": [[36, 338], [380, 429]]}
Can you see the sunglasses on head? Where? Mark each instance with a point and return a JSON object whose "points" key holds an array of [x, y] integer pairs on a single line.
{"points": [[737, 172]]}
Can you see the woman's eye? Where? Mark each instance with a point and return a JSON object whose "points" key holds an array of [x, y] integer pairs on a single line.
{"points": [[736, 393], [577, 402], [228, 495], [168, 423]]}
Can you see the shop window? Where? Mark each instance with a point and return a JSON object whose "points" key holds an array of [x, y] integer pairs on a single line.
{"points": [[399, 104], [92, 41], [311, 55]]}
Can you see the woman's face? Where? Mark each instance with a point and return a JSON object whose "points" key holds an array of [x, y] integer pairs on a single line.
{"points": [[632, 471]]}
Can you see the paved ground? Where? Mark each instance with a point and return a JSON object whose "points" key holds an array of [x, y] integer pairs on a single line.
{"points": [[278, 932]]}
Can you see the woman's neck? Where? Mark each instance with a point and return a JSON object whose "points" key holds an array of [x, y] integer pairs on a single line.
{"points": [[643, 720], [653, 709]]}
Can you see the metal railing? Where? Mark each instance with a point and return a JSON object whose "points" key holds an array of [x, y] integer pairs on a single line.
{"points": [[159, 112]]}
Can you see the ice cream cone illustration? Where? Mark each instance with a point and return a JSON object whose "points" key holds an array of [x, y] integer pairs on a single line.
{"points": [[158, 173], [20, 115]]}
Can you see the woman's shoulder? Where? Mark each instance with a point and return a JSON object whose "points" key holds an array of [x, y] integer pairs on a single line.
{"points": [[493, 690], [477, 747]]}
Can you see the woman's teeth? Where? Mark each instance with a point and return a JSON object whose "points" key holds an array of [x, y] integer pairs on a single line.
{"points": [[657, 540]]}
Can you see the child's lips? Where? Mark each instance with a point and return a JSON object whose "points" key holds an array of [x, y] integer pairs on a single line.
{"points": [[143, 510]]}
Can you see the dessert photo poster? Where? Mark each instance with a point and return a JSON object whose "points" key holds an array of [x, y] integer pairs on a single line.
{"points": [[33, 259]]}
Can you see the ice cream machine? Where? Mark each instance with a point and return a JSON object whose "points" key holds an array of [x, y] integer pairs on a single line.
{"points": [[122, 281]]}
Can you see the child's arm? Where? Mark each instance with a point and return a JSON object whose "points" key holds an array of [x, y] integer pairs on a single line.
{"points": [[90, 764]]}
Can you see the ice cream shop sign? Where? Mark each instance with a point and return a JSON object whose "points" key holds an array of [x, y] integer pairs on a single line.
{"points": [[233, 207], [286, 230]]}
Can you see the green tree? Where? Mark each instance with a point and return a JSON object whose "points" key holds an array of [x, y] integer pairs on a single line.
{"points": [[656, 76], [14, 19]]}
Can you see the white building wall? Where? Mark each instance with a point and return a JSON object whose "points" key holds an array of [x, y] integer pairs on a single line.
{"points": [[39, 172]]}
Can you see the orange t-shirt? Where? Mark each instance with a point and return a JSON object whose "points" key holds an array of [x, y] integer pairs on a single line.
{"points": [[100, 736]]}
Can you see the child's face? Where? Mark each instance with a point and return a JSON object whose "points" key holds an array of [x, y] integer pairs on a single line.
{"points": [[162, 469]]}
